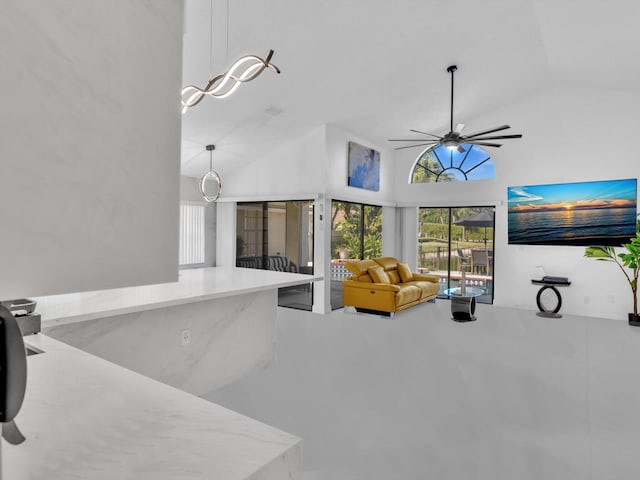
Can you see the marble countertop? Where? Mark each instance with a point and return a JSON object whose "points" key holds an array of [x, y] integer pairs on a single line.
{"points": [[86, 418], [193, 285]]}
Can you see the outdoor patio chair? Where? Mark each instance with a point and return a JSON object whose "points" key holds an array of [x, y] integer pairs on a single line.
{"points": [[464, 262], [480, 261]]}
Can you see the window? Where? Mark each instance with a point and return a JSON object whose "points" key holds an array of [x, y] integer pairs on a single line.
{"points": [[278, 236], [439, 164], [192, 240], [456, 244], [356, 233]]}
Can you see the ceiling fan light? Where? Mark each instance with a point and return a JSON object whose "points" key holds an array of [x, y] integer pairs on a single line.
{"points": [[451, 144]]}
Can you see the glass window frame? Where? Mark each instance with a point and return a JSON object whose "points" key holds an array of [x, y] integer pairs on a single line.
{"points": [[262, 246], [338, 272], [439, 164], [488, 298]]}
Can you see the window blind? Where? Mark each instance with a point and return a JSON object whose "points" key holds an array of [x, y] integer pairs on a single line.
{"points": [[191, 234]]}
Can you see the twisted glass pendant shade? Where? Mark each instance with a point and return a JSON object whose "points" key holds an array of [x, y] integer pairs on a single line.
{"points": [[243, 70]]}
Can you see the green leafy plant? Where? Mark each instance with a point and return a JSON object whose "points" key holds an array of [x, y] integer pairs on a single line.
{"points": [[629, 260]]}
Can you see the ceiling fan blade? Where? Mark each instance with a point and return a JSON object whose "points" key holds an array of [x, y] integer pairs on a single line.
{"points": [[425, 133], [412, 146], [412, 140], [485, 144], [495, 137], [490, 130], [459, 128]]}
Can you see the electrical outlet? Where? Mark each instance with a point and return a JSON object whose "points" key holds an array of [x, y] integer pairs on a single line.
{"points": [[185, 337]]}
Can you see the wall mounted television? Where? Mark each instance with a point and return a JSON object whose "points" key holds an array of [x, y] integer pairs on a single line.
{"points": [[584, 213], [364, 167]]}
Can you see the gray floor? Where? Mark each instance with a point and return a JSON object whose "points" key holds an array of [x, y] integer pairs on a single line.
{"points": [[511, 395]]}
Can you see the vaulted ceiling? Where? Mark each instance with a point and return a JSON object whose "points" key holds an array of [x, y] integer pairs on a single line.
{"points": [[378, 68]]}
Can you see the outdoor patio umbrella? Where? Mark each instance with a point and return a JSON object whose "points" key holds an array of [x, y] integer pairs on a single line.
{"points": [[480, 219]]}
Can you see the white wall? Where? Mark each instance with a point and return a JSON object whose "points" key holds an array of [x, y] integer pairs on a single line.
{"points": [[315, 163], [296, 168], [408, 246], [322, 254], [390, 231], [89, 144], [570, 135], [226, 234], [314, 166], [337, 169]]}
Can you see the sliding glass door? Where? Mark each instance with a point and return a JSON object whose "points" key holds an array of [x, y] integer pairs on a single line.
{"points": [[356, 233], [456, 243], [278, 236]]}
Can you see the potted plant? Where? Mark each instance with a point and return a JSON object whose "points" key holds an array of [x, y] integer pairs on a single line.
{"points": [[628, 260]]}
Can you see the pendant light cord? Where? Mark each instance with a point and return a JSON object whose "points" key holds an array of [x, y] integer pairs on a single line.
{"points": [[210, 149], [211, 39], [226, 59], [452, 70]]}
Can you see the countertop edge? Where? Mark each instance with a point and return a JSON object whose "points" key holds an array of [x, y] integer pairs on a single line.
{"points": [[195, 285]]}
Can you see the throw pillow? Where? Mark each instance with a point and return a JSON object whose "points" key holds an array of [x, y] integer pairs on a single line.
{"points": [[394, 277], [405, 272], [378, 275], [359, 267]]}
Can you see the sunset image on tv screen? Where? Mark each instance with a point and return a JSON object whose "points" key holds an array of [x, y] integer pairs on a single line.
{"points": [[584, 213]]}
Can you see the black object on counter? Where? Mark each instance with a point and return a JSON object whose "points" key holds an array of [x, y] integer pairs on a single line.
{"points": [[20, 306], [13, 375], [23, 309]]}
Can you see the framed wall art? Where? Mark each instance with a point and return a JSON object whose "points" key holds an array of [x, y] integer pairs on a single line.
{"points": [[364, 167]]}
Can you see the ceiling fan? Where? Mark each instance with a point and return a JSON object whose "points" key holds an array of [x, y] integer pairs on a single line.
{"points": [[454, 139]]}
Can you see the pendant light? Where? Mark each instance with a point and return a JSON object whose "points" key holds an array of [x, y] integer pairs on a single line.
{"points": [[212, 178], [243, 70]]}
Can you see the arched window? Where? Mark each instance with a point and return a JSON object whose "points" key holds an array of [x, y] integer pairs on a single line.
{"points": [[439, 164]]}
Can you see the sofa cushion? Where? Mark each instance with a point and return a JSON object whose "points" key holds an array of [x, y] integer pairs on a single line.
{"points": [[394, 277], [407, 294], [359, 267], [426, 277], [388, 263], [406, 275], [378, 275], [427, 289]]}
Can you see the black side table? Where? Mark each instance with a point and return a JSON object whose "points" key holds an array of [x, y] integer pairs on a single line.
{"points": [[549, 284], [463, 303]]}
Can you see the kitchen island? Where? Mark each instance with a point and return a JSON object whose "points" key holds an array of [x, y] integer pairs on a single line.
{"points": [[88, 417], [212, 327]]}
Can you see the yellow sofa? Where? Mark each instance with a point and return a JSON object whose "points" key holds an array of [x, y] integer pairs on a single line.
{"points": [[385, 286]]}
